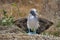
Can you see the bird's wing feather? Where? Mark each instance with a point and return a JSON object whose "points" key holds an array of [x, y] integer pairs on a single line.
{"points": [[44, 24]]}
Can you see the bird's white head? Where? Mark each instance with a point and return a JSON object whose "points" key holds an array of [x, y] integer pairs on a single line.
{"points": [[33, 9], [33, 12]]}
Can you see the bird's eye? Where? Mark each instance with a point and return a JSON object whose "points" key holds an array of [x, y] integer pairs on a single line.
{"points": [[32, 12]]}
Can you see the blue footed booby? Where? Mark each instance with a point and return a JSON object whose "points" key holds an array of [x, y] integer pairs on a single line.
{"points": [[32, 21]]}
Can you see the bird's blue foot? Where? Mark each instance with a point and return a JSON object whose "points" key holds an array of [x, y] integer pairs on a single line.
{"points": [[31, 33]]}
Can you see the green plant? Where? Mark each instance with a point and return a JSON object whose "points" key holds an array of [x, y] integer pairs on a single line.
{"points": [[58, 25], [15, 5], [6, 20], [45, 33], [57, 33]]}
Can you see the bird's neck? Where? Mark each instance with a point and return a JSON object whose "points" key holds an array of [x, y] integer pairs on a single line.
{"points": [[31, 16]]}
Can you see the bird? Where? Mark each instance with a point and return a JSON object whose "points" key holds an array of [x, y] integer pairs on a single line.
{"points": [[32, 21]]}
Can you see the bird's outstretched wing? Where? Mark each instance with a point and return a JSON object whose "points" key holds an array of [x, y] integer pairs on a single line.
{"points": [[21, 23], [44, 24]]}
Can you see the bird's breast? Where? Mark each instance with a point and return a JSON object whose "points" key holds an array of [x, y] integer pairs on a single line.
{"points": [[32, 17], [33, 20]]}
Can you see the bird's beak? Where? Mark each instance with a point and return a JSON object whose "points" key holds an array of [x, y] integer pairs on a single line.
{"points": [[38, 15]]}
